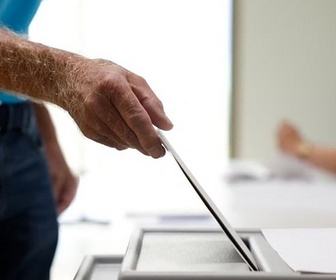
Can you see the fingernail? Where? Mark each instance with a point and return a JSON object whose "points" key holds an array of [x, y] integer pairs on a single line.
{"points": [[157, 152], [170, 123]]}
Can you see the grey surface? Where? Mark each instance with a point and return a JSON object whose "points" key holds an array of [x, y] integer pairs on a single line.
{"points": [[188, 251]]}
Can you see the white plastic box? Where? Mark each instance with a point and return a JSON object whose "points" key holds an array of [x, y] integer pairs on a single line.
{"points": [[195, 254]]}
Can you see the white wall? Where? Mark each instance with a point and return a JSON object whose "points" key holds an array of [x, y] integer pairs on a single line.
{"points": [[284, 67], [182, 49]]}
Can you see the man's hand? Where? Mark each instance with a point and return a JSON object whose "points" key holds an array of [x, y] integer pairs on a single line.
{"points": [[64, 183], [117, 108], [110, 104]]}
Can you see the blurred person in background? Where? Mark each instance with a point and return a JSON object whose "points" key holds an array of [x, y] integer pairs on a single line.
{"points": [[291, 141]]}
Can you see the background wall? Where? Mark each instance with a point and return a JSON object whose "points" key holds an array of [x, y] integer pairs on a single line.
{"points": [[284, 68], [182, 48]]}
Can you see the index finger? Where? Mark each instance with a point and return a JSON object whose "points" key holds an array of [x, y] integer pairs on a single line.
{"points": [[139, 121]]}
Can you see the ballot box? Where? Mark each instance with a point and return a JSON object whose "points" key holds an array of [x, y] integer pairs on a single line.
{"points": [[186, 254], [194, 254]]}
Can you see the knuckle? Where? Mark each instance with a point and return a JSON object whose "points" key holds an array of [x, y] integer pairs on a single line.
{"points": [[136, 116], [110, 82]]}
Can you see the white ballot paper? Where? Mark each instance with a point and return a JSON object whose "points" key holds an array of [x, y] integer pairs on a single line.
{"points": [[305, 249], [235, 239]]}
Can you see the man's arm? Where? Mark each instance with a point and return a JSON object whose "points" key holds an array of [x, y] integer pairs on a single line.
{"points": [[63, 181], [110, 104]]}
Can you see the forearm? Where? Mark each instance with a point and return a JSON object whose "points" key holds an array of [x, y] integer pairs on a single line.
{"points": [[48, 134], [36, 70], [322, 157], [64, 183], [110, 104]]}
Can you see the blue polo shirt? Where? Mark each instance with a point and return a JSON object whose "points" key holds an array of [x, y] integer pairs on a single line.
{"points": [[16, 15]]}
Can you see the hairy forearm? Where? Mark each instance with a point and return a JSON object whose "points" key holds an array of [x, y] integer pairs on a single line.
{"points": [[110, 104], [36, 70]]}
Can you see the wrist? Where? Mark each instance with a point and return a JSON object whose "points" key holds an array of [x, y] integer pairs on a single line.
{"points": [[304, 150]]}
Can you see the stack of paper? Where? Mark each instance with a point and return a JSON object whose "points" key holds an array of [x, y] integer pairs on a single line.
{"points": [[306, 249]]}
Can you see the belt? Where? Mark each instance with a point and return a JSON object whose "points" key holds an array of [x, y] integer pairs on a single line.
{"points": [[15, 116]]}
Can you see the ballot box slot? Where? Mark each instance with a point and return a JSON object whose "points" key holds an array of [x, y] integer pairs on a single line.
{"points": [[191, 254]]}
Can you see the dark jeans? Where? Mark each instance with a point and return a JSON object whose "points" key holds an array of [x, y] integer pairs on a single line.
{"points": [[28, 221]]}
